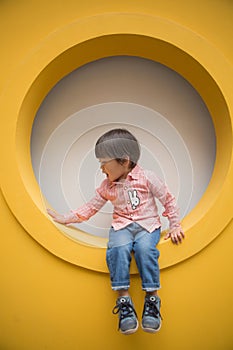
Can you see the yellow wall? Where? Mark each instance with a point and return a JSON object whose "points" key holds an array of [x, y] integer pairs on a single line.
{"points": [[47, 303]]}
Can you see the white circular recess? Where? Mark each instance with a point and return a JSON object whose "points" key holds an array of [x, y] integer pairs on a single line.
{"points": [[156, 104]]}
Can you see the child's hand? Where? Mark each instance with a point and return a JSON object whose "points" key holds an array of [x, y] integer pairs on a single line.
{"points": [[63, 219], [176, 235], [57, 217]]}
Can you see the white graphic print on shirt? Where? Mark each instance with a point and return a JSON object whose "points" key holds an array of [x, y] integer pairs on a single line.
{"points": [[134, 199]]}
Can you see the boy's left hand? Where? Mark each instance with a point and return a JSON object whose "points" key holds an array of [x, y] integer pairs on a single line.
{"points": [[176, 235]]}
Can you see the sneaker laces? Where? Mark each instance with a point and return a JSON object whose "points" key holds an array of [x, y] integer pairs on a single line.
{"points": [[151, 309], [124, 308]]}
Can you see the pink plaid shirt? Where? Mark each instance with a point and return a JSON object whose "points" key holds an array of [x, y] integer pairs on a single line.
{"points": [[133, 200]]}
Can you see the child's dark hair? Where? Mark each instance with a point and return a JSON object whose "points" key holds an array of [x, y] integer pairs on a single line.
{"points": [[118, 144]]}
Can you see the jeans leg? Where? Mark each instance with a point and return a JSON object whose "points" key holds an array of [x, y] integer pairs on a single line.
{"points": [[146, 255], [118, 261]]}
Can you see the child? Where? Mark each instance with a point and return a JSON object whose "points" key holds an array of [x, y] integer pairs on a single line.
{"points": [[135, 227]]}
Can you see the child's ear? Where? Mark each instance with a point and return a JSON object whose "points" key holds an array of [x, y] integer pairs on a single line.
{"points": [[126, 161]]}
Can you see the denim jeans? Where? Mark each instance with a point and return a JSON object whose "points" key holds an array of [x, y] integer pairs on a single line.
{"points": [[122, 243]]}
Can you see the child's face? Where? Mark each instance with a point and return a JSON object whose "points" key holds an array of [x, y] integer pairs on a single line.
{"points": [[113, 169]]}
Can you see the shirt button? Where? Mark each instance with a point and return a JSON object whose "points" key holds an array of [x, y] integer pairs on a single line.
{"points": [[128, 202], [125, 187], [131, 215]]}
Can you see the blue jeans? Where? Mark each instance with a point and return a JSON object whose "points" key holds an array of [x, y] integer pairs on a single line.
{"points": [[122, 243]]}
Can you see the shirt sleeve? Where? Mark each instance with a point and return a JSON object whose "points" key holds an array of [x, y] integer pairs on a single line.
{"points": [[160, 191], [89, 209]]}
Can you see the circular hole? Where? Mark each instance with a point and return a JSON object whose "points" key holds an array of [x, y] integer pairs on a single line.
{"points": [[160, 107], [55, 58]]}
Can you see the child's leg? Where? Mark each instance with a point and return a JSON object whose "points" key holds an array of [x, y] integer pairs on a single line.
{"points": [[118, 260], [146, 256], [123, 293]]}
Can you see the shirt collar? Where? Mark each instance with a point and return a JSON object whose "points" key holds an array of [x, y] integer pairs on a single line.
{"points": [[133, 174]]}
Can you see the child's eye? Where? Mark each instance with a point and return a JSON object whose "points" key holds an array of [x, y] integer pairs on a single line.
{"points": [[104, 162]]}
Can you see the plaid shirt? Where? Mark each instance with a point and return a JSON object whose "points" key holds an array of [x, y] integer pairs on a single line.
{"points": [[134, 200]]}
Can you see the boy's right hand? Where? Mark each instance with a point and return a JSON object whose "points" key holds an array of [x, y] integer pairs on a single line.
{"points": [[57, 217], [63, 219]]}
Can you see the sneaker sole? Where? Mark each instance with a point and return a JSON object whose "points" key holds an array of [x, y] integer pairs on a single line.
{"points": [[130, 331], [151, 330]]}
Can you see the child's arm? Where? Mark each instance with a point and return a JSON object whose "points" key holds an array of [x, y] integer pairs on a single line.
{"points": [[83, 213], [161, 192], [175, 231]]}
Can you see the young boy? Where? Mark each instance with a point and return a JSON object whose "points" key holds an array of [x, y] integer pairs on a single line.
{"points": [[135, 227]]}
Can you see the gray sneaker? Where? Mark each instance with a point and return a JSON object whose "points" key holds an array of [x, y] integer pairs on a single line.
{"points": [[128, 322], [151, 317]]}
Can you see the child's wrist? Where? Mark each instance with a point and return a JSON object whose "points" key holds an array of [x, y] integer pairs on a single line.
{"points": [[70, 218]]}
